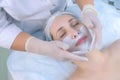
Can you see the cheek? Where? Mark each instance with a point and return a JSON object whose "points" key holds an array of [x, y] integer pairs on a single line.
{"points": [[53, 31], [77, 28], [87, 33], [53, 34]]}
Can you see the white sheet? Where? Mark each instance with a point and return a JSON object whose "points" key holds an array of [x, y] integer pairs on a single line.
{"points": [[27, 66]]}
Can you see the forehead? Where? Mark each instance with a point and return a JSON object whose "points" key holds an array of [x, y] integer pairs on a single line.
{"points": [[60, 21]]}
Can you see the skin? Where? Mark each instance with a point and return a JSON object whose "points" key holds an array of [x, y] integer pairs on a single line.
{"points": [[65, 25], [59, 31], [19, 42], [81, 3], [102, 65]]}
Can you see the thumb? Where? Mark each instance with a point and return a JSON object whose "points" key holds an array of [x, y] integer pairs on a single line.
{"points": [[62, 45]]}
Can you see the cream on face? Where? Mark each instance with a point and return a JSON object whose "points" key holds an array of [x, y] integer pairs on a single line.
{"points": [[81, 42], [71, 31]]}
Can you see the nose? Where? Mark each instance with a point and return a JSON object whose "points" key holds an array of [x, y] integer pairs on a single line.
{"points": [[74, 33]]}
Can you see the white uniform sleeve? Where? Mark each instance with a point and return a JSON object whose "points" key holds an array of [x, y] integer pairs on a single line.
{"points": [[8, 30]]}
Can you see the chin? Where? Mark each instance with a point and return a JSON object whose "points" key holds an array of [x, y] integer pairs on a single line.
{"points": [[83, 47]]}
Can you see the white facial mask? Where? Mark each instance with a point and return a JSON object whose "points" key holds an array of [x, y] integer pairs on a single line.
{"points": [[85, 47]]}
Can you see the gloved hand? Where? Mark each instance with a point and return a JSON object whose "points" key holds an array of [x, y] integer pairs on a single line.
{"points": [[90, 19], [54, 49]]}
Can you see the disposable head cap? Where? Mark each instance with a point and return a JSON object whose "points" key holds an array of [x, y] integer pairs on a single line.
{"points": [[50, 21]]}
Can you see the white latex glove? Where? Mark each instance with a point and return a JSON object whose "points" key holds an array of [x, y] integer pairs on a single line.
{"points": [[54, 49], [90, 19]]}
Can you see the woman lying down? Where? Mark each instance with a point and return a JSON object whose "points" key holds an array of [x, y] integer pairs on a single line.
{"points": [[101, 65]]}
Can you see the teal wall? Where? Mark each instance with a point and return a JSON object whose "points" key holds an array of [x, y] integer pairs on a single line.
{"points": [[3, 67]]}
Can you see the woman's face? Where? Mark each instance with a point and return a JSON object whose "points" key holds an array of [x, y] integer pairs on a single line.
{"points": [[68, 29]]}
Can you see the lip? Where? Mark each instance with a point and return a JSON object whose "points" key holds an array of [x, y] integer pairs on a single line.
{"points": [[81, 40]]}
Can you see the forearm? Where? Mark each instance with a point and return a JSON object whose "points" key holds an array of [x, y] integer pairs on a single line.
{"points": [[81, 3], [26, 42], [19, 42]]}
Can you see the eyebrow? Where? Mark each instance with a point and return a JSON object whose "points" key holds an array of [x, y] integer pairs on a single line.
{"points": [[63, 26], [59, 29], [70, 19]]}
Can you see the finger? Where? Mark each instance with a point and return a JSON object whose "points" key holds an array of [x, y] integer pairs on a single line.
{"points": [[98, 38], [80, 52], [99, 31], [62, 45], [74, 57], [87, 22]]}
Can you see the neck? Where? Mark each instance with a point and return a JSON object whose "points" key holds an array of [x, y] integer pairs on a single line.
{"points": [[96, 61]]}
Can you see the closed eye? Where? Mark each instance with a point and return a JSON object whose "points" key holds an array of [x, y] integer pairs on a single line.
{"points": [[76, 24], [63, 34]]}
